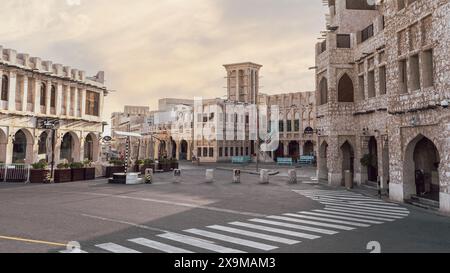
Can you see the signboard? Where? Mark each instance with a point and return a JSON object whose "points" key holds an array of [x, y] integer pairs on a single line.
{"points": [[309, 131], [107, 138]]}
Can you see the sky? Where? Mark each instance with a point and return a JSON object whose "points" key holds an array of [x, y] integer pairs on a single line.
{"points": [[152, 49]]}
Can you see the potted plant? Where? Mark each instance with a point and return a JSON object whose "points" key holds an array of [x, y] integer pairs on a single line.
{"points": [[148, 164], [40, 172], [63, 173], [117, 166], [89, 170], [77, 171], [165, 164], [174, 163], [138, 165]]}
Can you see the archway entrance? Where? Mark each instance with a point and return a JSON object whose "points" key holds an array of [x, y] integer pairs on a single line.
{"points": [[183, 150], [43, 148], [174, 149], [308, 148], [372, 168], [422, 161], [280, 151], [162, 149], [323, 158], [20, 147], [67, 148], [3, 143], [294, 150], [348, 158], [89, 148]]}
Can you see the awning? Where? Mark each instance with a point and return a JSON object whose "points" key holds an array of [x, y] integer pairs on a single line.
{"points": [[127, 134]]}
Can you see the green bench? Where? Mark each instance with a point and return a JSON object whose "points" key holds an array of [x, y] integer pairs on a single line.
{"points": [[241, 159], [285, 161], [307, 160]]}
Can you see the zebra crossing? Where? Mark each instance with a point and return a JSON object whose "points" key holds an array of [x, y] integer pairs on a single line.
{"points": [[343, 212]]}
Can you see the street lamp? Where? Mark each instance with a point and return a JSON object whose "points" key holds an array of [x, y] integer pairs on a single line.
{"points": [[51, 124]]}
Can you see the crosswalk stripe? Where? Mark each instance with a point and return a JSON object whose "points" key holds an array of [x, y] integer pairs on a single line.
{"points": [[256, 235], [364, 207], [275, 223], [341, 227], [355, 215], [276, 230], [198, 243], [230, 239], [381, 206], [159, 246], [115, 248], [327, 220], [341, 217], [72, 251], [344, 196], [368, 212], [355, 199]]}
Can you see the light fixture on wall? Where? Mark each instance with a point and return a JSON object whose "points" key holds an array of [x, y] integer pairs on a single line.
{"points": [[445, 103], [365, 131], [414, 121]]}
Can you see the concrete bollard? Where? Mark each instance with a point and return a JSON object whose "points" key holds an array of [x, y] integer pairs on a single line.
{"points": [[236, 176], [148, 176], [264, 177], [177, 176], [292, 176], [348, 179], [209, 176]]}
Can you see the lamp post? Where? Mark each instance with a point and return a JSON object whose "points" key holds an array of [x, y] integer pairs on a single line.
{"points": [[51, 125]]}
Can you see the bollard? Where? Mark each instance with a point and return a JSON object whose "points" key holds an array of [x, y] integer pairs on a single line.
{"points": [[177, 176], [292, 176], [236, 176], [148, 176], [264, 177], [209, 175], [348, 179]]}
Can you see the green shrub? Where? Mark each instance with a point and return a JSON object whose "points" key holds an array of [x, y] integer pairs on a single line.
{"points": [[139, 162], [76, 165], [62, 166], [148, 161], [41, 165], [87, 163]]}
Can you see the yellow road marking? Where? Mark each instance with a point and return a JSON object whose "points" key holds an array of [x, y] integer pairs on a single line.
{"points": [[32, 241]]}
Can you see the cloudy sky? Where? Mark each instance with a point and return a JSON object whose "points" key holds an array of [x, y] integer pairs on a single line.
{"points": [[169, 48]]}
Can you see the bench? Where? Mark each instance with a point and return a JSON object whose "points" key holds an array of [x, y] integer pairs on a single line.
{"points": [[285, 161], [240, 159], [307, 160]]}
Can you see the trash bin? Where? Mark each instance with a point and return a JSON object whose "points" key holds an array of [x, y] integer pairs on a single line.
{"points": [[348, 179]]}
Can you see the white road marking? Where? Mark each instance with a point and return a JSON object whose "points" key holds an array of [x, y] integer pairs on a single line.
{"points": [[159, 246], [115, 248], [366, 208], [230, 239], [256, 235], [341, 217], [341, 227], [282, 224], [198, 243], [354, 215], [276, 230], [367, 212], [322, 219]]}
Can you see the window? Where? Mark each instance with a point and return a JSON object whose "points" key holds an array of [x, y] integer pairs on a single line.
{"points": [[359, 5], [226, 151], [367, 33], [345, 89], [246, 151], [297, 125], [343, 40], [92, 103], [323, 89], [289, 125], [205, 152], [242, 151], [427, 68], [231, 151], [211, 152], [53, 96], [362, 89], [382, 80], [371, 84], [199, 152], [220, 151], [5, 87], [281, 126], [403, 77], [414, 72]]}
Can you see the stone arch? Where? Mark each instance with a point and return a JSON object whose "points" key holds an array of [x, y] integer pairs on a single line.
{"points": [[23, 147], [3, 143], [70, 147], [421, 168], [347, 158], [280, 151], [162, 149], [323, 161], [184, 148], [308, 148], [372, 169], [323, 91], [44, 145], [294, 149], [173, 147], [91, 147], [346, 92]]}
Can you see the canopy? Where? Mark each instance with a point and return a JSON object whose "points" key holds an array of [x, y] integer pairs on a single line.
{"points": [[127, 134]]}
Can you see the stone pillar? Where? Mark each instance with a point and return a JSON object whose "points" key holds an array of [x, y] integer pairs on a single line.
{"points": [[48, 97], [333, 162], [83, 102], [9, 148], [12, 91], [286, 148], [301, 144], [444, 170], [237, 85], [25, 93], [68, 100], [75, 102], [362, 148], [37, 97], [178, 150], [59, 102]]}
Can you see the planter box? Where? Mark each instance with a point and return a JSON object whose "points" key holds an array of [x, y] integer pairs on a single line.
{"points": [[39, 176], [149, 166], [77, 174], [110, 170], [166, 167], [63, 176], [175, 165], [89, 173]]}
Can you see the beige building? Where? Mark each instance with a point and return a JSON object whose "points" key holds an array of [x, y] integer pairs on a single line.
{"points": [[383, 87], [32, 91]]}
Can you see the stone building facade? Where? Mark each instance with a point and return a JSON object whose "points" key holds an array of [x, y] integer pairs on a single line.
{"points": [[32, 91], [382, 77]]}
